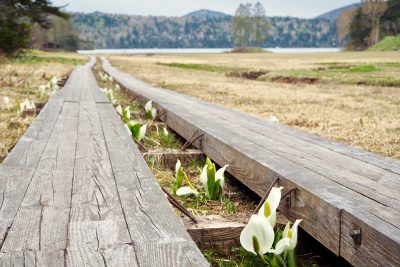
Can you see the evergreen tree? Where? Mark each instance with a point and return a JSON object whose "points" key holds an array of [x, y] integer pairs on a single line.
{"points": [[17, 18], [390, 21]]}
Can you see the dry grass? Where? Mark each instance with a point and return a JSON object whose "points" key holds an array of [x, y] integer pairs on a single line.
{"points": [[20, 79], [358, 115]]}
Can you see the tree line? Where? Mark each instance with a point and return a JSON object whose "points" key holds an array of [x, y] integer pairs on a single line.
{"points": [[366, 25]]}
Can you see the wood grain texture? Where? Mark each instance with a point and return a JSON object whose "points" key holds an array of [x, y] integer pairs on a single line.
{"points": [[75, 191], [338, 186]]}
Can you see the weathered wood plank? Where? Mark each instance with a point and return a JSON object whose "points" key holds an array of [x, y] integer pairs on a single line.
{"points": [[331, 179]]}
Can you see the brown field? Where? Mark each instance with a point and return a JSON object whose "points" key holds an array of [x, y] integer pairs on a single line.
{"points": [[353, 98], [20, 79]]}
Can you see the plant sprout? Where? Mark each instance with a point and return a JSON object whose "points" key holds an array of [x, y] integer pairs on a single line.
{"points": [[26, 105], [258, 237], [7, 103], [137, 130], [166, 137], [124, 113], [180, 176], [151, 112], [213, 181]]}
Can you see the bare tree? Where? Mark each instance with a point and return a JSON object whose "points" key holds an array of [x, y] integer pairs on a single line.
{"points": [[241, 25], [344, 21], [374, 9]]}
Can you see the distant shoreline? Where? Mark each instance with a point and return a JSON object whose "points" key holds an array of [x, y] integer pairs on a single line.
{"points": [[205, 50]]}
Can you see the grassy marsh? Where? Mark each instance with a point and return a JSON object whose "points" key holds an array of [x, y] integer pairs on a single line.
{"points": [[20, 79]]}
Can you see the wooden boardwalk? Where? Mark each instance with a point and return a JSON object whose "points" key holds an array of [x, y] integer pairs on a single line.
{"points": [[349, 199], [75, 191]]}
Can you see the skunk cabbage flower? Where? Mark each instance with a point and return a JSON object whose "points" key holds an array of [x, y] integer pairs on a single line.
{"points": [[268, 209], [291, 233], [7, 103], [258, 237], [180, 175], [166, 133], [117, 87], [186, 190], [212, 180], [137, 130], [151, 112]]}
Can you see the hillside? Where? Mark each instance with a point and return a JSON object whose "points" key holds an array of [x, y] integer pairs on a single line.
{"points": [[202, 29], [389, 43], [207, 13], [334, 14]]}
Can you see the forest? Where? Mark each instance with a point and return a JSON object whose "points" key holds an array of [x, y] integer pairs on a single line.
{"points": [[129, 31]]}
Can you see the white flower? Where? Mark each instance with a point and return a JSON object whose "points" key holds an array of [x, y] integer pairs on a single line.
{"points": [[166, 133], [291, 233], [268, 209], [186, 190], [151, 112], [142, 132], [178, 165], [219, 176], [7, 103], [128, 112], [258, 237]]}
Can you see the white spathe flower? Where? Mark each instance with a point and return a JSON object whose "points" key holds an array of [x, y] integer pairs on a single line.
{"points": [[142, 132], [203, 176], [54, 80], [257, 236], [7, 103], [150, 110], [268, 209], [119, 110], [166, 133], [178, 165], [186, 190], [117, 87], [148, 106], [128, 112], [291, 233], [111, 79], [219, 176]]}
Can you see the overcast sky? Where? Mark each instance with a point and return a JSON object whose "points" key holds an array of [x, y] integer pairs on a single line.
{"points": [[296, 8]]}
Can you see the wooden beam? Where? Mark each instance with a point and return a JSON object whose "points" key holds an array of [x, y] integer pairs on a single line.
{"points": [[168, 158], [338, 187]]}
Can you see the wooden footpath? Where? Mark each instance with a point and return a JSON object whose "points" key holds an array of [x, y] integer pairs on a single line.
{"points": [[349, 199], [75, 191]]}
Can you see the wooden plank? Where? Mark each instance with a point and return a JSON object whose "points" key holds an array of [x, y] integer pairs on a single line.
{"points": [[176, 254], [41, 221], [32, 258], [213, 229], [330, 181], [168, 158]]}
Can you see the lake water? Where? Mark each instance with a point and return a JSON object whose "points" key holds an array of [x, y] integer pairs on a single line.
{"points": [[203, 51]]}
